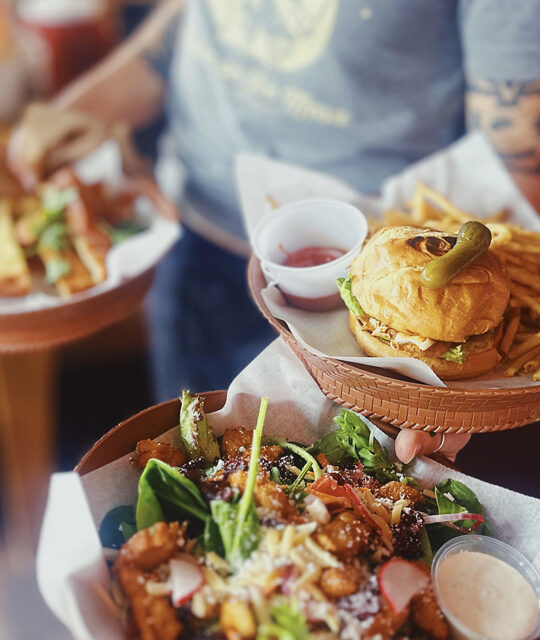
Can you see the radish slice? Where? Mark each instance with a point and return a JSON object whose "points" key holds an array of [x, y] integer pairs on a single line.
{"points": [[360, 507], [185, 579], [399, 581], [449, 519]]}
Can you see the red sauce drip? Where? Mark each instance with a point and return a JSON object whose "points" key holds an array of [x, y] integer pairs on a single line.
{"points": [[312, 256]]}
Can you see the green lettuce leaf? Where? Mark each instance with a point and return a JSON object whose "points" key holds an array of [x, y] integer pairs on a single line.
{"points": [[167, 495], [54, 201], [54, 237], [117, 526], [345, 291], [288, 623], [195, 431], [353, 441], [455, 354]]}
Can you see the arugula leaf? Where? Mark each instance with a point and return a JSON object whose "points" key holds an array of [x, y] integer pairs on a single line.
{"points": [[352, 441], [55, 269], [351, 302], [165, 494], [195, 431], [288, 623], [117, 526], [54, 237], [455, 354]]}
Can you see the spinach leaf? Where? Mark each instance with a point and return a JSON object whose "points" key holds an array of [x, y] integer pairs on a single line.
{"points": [[166, 495], [117, 526], [463, 500], [195, 431]]}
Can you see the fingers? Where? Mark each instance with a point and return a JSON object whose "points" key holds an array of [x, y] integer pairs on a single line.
{"points": [[411, 444], [16, 162]]}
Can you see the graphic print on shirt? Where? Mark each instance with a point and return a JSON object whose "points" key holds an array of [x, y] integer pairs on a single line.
{"points": [[288, 36]]}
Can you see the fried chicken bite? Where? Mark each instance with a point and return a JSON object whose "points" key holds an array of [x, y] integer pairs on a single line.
{"points": [[267, 494], [338, 582], [154, 615], [427, 615], [398, 491], [386, 623], [237, 621], [151, 547], [236, 443], [147, 449], [346, 536]]}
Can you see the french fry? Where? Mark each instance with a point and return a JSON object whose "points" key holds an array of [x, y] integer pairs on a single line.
{"points": [[444, 204], [524, 296], [524, 277], [531, 366], [524, 247], [536, 375], [500, 216], [271, 201], [510, 332], [500, 235], [516, 364], [527, 345]]}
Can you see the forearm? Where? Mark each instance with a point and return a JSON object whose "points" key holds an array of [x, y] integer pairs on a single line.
{"points": [[509, 113], [124, 86]]}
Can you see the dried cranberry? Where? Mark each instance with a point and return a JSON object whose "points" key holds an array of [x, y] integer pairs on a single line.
{"points": [[194, 469], [216, 490], [234, 464], [283, 462], [346, 475], [406, 532]]}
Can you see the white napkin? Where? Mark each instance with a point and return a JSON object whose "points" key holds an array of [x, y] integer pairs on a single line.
{"points": [[469, 172]]}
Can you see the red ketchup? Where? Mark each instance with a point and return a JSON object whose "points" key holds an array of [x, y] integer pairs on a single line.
{"points": [[312, 257]]}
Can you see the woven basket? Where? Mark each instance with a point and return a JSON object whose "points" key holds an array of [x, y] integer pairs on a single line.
{"points": [[75, 319], [393, 399], [154, 421]]}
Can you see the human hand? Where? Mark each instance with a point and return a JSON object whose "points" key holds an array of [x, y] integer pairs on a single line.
{"points": [[411, 444]]}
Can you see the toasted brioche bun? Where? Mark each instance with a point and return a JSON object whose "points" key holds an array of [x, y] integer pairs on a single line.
{"points": [[475, 364], [386, 281]]}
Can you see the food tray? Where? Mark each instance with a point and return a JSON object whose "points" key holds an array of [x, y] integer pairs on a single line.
{"points": [[152, 422], [398, 401], [78, 318]]}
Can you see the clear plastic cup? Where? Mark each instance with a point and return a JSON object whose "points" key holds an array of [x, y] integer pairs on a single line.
{"points": [[496, 549], [315, 222]]}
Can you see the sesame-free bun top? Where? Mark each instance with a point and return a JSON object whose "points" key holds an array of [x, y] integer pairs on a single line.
{"points": [[386, 281]]}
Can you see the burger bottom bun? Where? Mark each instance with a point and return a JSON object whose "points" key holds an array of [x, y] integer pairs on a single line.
{"points": [[476, 363]]}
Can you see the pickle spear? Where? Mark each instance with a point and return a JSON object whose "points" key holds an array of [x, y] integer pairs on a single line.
{"points": [[473, 240]]}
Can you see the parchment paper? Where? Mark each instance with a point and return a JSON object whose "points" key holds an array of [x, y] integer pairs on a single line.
{"points": [[469, 172], [70, 561], [126, 259]]}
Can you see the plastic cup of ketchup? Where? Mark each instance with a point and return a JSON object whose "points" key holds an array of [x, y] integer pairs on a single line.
{"points": [[305, 246]]}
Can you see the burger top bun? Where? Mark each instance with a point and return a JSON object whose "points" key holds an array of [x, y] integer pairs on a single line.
{"points": [[386, 281]]}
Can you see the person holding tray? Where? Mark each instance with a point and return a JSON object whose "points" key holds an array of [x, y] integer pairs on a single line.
{"points": [[356, 89]]}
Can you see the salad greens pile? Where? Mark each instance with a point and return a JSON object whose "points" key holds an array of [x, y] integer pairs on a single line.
{"points": [[231, 527]]}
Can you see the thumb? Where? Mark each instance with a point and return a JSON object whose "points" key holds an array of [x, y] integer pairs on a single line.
{"points": [[411, 443]]}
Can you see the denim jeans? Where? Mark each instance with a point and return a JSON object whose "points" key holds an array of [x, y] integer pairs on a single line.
{"points": [[204, 327]]}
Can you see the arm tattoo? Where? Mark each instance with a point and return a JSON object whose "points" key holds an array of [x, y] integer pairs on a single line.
{"points": [[509, 112]]}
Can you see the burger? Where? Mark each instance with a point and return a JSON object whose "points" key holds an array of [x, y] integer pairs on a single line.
{"points": [[455, 329]]}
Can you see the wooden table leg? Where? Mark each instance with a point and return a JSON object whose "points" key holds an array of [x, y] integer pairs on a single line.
{"points": [[27, 417]]}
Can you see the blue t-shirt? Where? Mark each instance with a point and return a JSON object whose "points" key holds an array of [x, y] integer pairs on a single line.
{"points": [[355, 88]]}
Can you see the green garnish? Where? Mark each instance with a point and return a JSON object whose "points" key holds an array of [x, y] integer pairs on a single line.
{"points": [[353, 441], [345, 291], [288, 623], [55, 269], [195, 431], [54, 202], [166, 494], [123, 231], [54, 237], [455, 354], [246, 504]]}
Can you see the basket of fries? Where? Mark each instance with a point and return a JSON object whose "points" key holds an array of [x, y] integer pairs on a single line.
{"points": [[402, 402]]}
